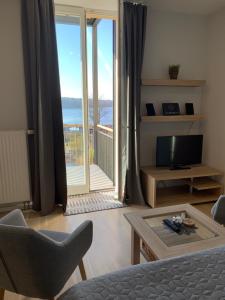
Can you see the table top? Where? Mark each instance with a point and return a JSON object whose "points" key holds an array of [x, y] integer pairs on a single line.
{"points": [[164, 242], [167, 174]]}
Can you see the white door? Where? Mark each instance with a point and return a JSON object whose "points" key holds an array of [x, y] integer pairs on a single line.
{"points": [[72, 55]]}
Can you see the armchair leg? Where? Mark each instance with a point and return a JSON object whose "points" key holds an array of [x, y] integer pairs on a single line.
{"points": [[2, 294], [82, 270]]}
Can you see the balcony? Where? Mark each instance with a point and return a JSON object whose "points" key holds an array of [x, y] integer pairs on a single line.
{"points": [[100, 156]]}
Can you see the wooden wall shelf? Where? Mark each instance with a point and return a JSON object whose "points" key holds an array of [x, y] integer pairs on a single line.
{"points": [[202, 184], [179, 118], [168, 82]]}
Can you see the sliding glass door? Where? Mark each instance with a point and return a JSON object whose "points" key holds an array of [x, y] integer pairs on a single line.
{"points": [[71, 42]]}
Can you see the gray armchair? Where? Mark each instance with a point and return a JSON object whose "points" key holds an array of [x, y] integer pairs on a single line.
{"points": [[218, 210], [39, 263]]}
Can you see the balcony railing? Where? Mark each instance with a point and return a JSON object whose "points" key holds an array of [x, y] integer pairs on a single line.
{"points": [[105, 151], [100, 147]]}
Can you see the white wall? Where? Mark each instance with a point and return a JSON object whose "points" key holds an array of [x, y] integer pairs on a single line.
{"points": [[12, 89], [93, 4], [214, 101], [172, 38]]}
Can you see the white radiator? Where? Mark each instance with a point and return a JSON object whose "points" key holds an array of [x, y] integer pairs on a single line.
{"points": [[14, 172]]}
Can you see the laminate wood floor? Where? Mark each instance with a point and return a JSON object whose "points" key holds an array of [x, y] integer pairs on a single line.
{"points": [[110, 250]]}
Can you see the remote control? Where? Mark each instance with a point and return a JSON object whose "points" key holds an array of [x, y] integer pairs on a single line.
{"points": [[171, 224]]}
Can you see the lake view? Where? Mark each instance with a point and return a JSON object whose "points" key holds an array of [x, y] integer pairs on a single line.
{"points": [[72, 111]]}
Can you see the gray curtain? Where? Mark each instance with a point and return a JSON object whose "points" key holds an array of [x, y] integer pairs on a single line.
{"points": [[134, 25], [44, 111]]}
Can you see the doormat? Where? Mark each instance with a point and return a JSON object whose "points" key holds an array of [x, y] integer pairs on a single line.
{"points": [[92, 202]]}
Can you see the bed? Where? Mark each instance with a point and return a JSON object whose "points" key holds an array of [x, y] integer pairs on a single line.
{"points": [[196, 276]]}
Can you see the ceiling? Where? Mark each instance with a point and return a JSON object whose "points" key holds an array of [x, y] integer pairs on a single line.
{"points": [[203, 7]]}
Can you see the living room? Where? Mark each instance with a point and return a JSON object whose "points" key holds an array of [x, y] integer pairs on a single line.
{"points": [[168, 155]]}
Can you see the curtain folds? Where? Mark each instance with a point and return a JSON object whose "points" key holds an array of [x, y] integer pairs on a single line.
{"points": [[44, 111], [134, 25]]}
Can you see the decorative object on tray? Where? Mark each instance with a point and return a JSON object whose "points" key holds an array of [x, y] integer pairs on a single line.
{"points": [[189, 222], [174, 71], [174, 226], [180, 224], [177, 220]]}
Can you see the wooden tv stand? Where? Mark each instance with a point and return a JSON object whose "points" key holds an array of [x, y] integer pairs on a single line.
{"points": [[195, 185]]}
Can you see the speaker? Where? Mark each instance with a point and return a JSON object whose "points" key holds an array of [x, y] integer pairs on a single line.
{"points": [[189, 108], [150, 109], [170, 109]]}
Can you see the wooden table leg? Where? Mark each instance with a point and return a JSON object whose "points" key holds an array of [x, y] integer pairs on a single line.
{"points": [[2, 293], [82, 270], [135, 248]]}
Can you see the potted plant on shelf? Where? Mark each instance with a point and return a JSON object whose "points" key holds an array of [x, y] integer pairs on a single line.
{"points": [[174, 71]]}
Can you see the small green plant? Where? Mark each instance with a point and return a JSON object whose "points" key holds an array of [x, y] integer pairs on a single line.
{"points": [[174, 67], [174, 71]]}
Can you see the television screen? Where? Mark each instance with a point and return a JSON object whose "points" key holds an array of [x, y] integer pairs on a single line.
{"points": [[175, 151]]}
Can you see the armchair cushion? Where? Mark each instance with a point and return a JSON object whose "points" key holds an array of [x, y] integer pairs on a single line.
{"points": [[14, 218], [55, 235]]}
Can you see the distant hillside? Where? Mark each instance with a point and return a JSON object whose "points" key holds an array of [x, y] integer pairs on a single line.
{"points": [[72, 103]]}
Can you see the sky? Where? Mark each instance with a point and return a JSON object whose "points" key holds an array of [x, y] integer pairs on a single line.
{"points": [[70, 60]]}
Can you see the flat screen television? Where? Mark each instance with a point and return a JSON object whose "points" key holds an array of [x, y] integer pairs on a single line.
{"points": [[178, 152]]}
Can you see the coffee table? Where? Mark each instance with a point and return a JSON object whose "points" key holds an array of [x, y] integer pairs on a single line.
{"points": [[159, 241]]}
